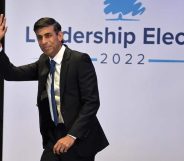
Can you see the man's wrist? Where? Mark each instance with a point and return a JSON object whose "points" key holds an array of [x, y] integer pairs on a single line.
{"points": [[1, 48], [72, 136]]}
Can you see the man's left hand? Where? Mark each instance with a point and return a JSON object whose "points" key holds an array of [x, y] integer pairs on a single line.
{"points": [[63, 144]]}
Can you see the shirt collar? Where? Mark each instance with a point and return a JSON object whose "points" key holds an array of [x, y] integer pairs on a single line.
{"points": [[59, 56]]}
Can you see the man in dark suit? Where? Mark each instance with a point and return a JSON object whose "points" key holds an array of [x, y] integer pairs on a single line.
{"points": [[67, 99]]}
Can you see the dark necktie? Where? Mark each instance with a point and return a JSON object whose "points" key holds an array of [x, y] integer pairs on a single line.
{"points": [[54, 107]]}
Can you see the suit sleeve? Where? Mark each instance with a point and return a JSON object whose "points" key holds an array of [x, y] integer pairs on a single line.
{"points": [[89, 97], [12, 73]]}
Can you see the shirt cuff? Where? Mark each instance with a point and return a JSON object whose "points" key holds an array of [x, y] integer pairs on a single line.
{"points": [[72, 136]]}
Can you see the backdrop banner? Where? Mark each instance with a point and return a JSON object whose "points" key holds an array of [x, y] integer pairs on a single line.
{"points": [[137, 48]]}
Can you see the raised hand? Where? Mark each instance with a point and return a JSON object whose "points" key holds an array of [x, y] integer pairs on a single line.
{"points": [[3, 27]]}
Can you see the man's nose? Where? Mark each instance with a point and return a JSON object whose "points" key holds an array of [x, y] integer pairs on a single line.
{"points": [[44, 40]]}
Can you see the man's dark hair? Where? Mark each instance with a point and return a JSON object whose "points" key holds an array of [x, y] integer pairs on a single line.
{"points": [[45, 22]]}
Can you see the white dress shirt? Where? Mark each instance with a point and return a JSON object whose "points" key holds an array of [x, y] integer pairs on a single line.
{"points": [[58, 59]]}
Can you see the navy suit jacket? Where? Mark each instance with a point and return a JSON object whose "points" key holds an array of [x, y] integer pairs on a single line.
{"points": [[78, 93]]}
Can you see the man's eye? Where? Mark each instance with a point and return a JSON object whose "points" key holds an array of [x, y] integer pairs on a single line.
{"points": [[48, 36]]}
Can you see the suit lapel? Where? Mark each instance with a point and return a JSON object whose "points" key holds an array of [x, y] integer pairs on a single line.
{"points": [[64, 70], [44, 66]]}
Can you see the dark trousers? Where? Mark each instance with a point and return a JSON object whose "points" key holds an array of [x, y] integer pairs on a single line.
{"points": [[55, 134]]}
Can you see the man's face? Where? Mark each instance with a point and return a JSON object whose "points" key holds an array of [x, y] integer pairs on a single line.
{"points": [[49, 41]]}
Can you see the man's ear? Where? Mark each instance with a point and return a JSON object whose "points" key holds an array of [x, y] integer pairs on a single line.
{"points": [[60, 36]]}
